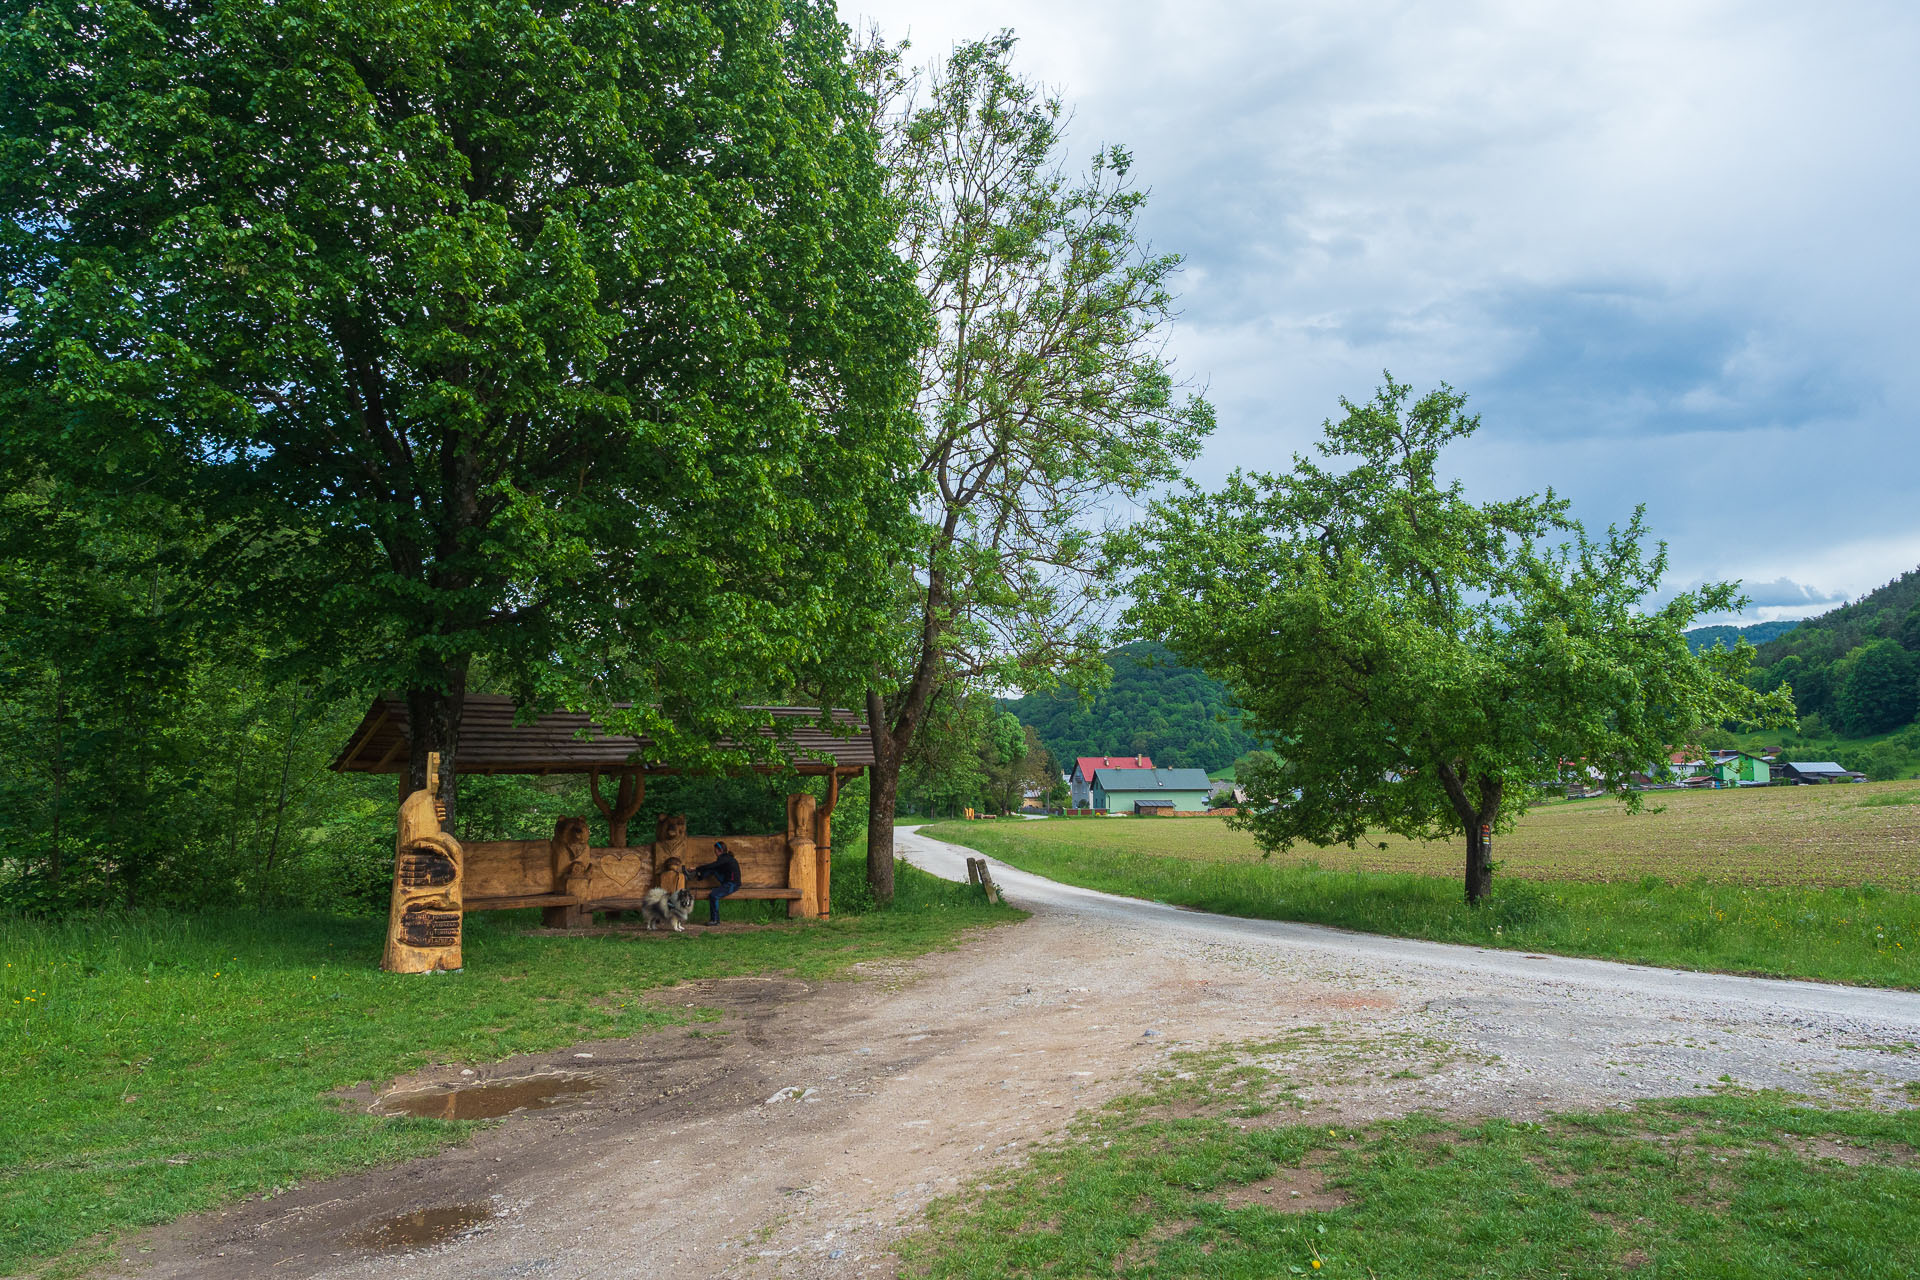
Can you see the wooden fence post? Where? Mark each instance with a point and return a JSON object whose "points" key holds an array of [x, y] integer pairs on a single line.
{"points": [[986, 883]]}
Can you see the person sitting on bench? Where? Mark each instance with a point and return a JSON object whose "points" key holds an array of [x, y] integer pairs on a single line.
{"points": [[725, 870]]}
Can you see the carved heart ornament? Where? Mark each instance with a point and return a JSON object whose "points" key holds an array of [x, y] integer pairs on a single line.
{"points": [[621, 873]]}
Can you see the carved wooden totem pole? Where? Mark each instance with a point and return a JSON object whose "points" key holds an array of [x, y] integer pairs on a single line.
{"points": [[423, 921]]}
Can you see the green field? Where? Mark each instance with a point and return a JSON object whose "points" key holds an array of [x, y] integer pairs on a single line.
{"points": [[154, 1065], [1196, 1178], [1800, 836], [1809, 882]]}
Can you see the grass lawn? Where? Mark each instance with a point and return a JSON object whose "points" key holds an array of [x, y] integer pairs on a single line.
{"points": [[157, 1065], [1195, 1178], [1808, 882]]}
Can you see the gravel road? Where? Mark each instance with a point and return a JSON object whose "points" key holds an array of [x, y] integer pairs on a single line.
{"points": [[1864, 1007], [801, 1134]]}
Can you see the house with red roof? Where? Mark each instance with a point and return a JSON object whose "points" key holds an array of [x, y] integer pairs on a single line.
{"points": [[1085, 767]]}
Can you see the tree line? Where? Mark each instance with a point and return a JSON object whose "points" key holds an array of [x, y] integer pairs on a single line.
{"points": [[654, 362], [1854, 670], [660, 362], [1154, 705]]}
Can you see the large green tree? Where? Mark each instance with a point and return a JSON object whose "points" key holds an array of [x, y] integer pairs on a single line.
{"points": [[1044, 393], [1422, 663], [562, 338], [152, 750], [1879, 690]]}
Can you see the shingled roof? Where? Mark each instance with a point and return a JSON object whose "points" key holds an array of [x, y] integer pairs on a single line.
{"points": [[571, 742]]}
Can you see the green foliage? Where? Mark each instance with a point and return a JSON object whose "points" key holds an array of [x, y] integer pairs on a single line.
{"points": [[1882, 763], [1817, 659], [1153, 706], [1860, 935], [1909, 633], [1007, 737], [1881, 688], [1421, 663], [1881, 612], [567, 339], [1728, 637], [156, 1064], [971, 754], [1045, 390], [152, 750]]}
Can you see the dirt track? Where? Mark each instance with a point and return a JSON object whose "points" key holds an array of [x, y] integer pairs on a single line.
{"points": [[695, 1157]]}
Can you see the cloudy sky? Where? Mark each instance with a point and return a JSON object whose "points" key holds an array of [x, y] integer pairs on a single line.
{"points": [[1667, 249]]}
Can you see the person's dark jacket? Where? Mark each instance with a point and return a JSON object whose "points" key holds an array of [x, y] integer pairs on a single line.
{"points": [[725, 869]]}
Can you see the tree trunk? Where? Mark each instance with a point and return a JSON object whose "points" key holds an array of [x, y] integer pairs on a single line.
{"points": [[882, 800], [280, 807], [1479, 863], [1478, 820], [54, 868], [433, 724]]}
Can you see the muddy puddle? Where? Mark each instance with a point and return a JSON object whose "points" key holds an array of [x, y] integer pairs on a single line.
{"points": [[487, 1101], [422, 1227]]}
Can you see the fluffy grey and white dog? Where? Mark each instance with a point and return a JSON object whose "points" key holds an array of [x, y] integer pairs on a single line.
{"points": [[663, 907]]}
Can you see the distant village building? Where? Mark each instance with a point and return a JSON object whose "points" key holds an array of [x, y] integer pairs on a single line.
{"points": [[1081, 780], [1225, 795], [1150, 790], [1724, 767], [1809, 771]]}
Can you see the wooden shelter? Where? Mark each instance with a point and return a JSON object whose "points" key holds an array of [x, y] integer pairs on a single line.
{"points": [[437, 878]]}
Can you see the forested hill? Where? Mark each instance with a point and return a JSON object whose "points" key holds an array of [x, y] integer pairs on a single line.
{"points": [[1756, 635], [1154, 707], [1880, 613], [1857, 668]]}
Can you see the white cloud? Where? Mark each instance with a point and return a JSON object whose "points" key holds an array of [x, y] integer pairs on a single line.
{"points": [[1666, 248]]}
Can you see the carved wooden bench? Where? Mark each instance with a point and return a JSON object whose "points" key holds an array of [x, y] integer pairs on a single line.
{"points": [[518, 901], [508, 875], [438, 878]]}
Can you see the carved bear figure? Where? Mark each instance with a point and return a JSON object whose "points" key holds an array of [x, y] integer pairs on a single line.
{"points": [[568, 854], [670, 851]]}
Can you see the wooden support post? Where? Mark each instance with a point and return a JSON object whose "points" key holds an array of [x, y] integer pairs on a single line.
{"points": [[633, 790], [823, 844], [801, 867], [593, 789], [973, 871], [627, 797]]}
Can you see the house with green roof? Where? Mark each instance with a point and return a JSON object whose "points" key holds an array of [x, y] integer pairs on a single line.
{"points": [[1150, 790]]}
